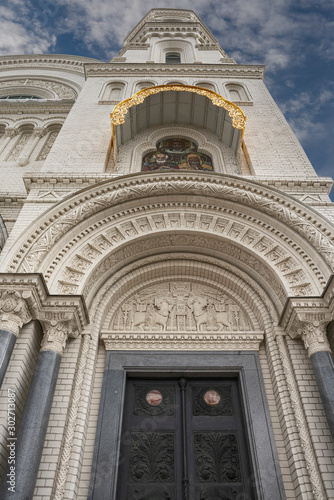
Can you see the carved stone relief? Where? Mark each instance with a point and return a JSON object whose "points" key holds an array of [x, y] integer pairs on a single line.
{"points": [[62, 91], [180, 306], [25, 136], [100, 200], [48, 145]]}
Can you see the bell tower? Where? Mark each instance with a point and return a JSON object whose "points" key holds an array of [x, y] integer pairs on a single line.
{"points": [[166, 278]]}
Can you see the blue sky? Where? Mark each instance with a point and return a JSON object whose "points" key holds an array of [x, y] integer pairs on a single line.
{"points": [[294, 39]]}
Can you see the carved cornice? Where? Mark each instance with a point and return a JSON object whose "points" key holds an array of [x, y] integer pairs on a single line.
{"points": [[64, 106], [236, 341], [307, 319], [65, 63], [24, 297], [142, 70]]}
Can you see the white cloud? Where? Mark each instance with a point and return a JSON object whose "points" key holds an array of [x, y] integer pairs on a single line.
{"points": [[17, 38]]}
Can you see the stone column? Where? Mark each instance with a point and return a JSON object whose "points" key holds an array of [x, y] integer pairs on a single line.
{"points": [[35, 416], [315, 339], [14, 313], [9, 134], [308, 321]]}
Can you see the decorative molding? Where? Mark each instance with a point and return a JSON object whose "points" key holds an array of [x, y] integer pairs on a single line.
{"points": [[60, 90], [25, 297], [304, 435], [65, 63], [67, 445], [308, 320], [236, 114], [204, 341], [124, 283], [79, 270], [36, 243], [329, 295], [114, 69]]}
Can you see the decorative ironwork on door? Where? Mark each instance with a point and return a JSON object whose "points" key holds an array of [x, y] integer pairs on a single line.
{"points": [[184, 440]]}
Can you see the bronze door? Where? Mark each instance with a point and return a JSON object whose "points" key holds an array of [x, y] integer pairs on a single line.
{"points": [[183, 439]]}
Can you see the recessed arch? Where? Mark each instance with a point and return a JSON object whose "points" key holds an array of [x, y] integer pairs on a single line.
{"points": [[165, 104]]}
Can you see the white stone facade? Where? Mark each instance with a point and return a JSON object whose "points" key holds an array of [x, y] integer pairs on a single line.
{"points": [[98, 253]]}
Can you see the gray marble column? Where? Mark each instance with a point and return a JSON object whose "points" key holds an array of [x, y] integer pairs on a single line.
{"points": [[36, 412], [314, 335], [7, 342], [323, 366], [32, 428]]}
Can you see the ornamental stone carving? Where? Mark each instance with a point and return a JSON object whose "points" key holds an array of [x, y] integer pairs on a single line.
{"points": [[308, 320], [14, 310], [31, 250], [58, 327], [61, 91], [180, 307]]}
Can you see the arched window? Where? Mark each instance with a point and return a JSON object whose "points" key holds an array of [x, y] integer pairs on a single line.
{"points": [[173, 58], [51, 136], [176, 153], [113, 92], [144, 85], [237, 93], [21, 98], [205, 85]]}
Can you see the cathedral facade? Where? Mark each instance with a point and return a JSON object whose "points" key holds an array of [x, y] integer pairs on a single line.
{"points": [[166, 279]]}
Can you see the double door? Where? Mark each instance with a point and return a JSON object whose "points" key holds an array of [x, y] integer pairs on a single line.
{"points": [[183, 439]]}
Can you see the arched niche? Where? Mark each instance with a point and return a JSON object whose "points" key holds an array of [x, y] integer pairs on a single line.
{"points": [[112, 93], [176, 104]]}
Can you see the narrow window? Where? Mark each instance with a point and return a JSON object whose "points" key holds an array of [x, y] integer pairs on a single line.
{"points": [[173, 58]]}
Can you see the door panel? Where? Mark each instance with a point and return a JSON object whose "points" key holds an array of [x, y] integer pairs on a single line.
{"points": [[183, 447]]}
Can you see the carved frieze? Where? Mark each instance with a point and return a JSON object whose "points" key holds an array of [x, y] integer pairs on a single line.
{"points": [[62, 91], [205, 341], [180, 307]]}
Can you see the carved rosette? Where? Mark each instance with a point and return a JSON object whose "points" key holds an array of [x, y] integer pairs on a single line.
{"points": [[309, 321], [14, 310]]}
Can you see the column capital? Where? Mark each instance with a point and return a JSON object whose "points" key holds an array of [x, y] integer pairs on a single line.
{"points": [[308, 319], [11, 132], [57, 332], [39, 131], [24, 297], [16, 309]]}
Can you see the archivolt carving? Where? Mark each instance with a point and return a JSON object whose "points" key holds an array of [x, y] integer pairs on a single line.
{"points": [[61, 91], [173, 241], [69, 214], [180, 306]]}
